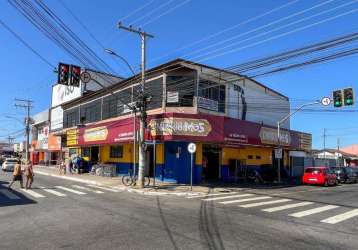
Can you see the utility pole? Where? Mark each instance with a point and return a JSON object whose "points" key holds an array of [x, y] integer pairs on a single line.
{"points": [[10, 139], [142, 101], [339, 158], [324, 146], [27, 104]]}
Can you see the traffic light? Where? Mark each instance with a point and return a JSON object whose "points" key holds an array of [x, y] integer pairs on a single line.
{"points": [[348, 97], [337, 98], [75, 76], [63, 73]]}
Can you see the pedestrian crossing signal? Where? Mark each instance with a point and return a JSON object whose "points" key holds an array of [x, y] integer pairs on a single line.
{"points": [[348, 97], [337, 98]]}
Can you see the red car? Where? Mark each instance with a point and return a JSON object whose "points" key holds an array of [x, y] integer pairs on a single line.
{"points": [[319, 176]]}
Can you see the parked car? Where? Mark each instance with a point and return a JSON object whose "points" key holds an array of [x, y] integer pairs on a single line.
{"points": [[319, 176], [9, 164], [346, 174]]}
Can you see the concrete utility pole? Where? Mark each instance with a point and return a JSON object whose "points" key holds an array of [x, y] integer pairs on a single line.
{"points": [[142, 102], [339, 158], [324, 146], [27, 104]]}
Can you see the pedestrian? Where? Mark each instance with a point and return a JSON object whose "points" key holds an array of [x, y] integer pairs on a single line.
{"points": [[29, 172], [68, 166], [17, 175]]}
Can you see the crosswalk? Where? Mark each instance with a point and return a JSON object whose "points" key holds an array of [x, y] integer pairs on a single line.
{"points": [[273, 204], [42, 192]]}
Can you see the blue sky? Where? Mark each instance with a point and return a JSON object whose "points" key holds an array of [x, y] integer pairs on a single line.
{"points": [[178, 24]]}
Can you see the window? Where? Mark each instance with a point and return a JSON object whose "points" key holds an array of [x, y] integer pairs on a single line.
{"points": [[72, 151], [258, 157], [250, 157], [86, 152], [116, 152], [71, 119], [182, 87], [213, 91]]}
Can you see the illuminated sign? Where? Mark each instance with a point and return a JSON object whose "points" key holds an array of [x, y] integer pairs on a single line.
{"points": [[95, 134]]}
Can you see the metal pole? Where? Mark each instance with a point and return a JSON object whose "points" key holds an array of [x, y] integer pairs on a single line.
{"points": [[134, 143], [27, 132], [324, 147], [191, 172], [154, 160], [278, 160]]}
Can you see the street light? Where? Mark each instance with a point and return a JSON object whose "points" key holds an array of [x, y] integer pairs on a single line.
{"points": [[278, 131], [111, 52]]}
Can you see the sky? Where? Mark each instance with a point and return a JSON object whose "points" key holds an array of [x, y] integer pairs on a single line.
{"points": [[189, 29]]}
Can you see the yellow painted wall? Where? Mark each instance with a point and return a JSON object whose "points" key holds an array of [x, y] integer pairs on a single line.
{"points": [[199, 154], [126, 158], [243, 154]]}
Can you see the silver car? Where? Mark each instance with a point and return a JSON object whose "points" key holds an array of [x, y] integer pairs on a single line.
{"points": [[9, 164]]}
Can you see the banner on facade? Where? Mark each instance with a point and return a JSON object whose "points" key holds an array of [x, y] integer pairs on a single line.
{"points": [[72, 136], [179, 126], [209, 104], [95, 134], [269, 136]]}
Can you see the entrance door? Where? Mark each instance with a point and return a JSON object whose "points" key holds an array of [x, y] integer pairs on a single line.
{"points": [[94, 154], [211, 162]]}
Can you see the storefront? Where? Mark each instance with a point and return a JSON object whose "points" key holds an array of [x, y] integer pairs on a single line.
{"points": [[225, 146]]}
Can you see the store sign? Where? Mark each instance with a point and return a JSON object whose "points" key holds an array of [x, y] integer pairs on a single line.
{"points": [[208, 104], [63, 93], [269, 136], [72, 136], [179, 126], [56, 118], [305, 141], [54, 142], [95, 134]]}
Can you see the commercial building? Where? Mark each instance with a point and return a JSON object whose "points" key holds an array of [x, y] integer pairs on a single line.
{"points": [[231, 118]]}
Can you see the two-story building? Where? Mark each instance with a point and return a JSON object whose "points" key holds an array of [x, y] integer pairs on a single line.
{"points": [[230, 117]]}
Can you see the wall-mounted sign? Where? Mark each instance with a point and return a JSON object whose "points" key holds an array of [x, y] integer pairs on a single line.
{"points": [[72, 137], [95, 134], [179, 126], [269, 136], [172, 97], [207, 104], [63, 93], [56, 118], [305, 141], [42, 138]]}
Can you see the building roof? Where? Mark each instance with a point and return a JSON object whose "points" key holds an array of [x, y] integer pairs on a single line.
{"points": [[352, 149], [333, 151], [160, 68]]}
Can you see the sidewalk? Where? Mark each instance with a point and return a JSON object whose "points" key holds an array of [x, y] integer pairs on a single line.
{"points": [[161, 188]]}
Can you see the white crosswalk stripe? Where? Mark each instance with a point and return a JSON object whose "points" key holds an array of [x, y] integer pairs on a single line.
{"points": [[257, 204], [54, 192], [313, 211], [70, 190], [245, 200], [33, 193], [341, 217], [227, 197], [105, 188], [209, 195], [9, 194], [284, 207], [88, 189]]}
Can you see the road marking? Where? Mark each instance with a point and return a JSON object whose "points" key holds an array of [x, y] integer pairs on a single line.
{"points": [[257, 204], [280, 208], [313, 211], [341, 217], [70, 190], [33, 193], [104, 188], [244, 200], [88, 189], [9, 194], [227, 197], [208, 195], [51, 191]]}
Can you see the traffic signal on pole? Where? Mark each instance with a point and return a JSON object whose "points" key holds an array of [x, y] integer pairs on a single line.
{"points": [[63, 73], [337, 98], [75, 76], [348, 97]]}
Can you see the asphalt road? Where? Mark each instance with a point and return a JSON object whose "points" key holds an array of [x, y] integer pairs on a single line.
{"points": [[54, 217]]}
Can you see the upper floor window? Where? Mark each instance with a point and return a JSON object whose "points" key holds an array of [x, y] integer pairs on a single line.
{"points": [[212, 96], [180, 91]]}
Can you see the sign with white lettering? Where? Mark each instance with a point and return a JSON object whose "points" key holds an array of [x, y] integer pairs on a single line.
{"points": [[269, 136], [179, 126], [208, 104], [63, 93]]}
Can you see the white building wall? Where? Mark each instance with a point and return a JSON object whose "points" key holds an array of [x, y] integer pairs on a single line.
{"points": [[262, 105]]}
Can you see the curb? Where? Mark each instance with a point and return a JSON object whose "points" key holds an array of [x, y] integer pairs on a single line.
{"points": [[68, 178]]}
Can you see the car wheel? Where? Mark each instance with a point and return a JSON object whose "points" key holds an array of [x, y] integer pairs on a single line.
{"points": [[326, 183]]}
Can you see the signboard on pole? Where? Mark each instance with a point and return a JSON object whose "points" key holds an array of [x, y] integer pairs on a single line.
{"points": [[192, 148], [278, 153]]}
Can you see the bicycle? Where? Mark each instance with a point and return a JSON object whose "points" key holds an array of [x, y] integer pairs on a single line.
{"points": [[129, 180]]}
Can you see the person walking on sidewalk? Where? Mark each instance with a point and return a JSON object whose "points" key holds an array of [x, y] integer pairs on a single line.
{"points": [[29, 172], [17, 175]]}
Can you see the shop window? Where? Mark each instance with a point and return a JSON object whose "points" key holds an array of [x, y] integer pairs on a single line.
{"points": [[72, 151], [116, 152], [86, 152], [250, 157], [258, 157]]}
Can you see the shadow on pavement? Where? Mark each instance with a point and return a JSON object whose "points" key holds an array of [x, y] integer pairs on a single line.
{"points": [[11, 197]]}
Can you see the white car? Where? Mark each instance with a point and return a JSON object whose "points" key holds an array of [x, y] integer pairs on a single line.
{"points": [[9, 164]]}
